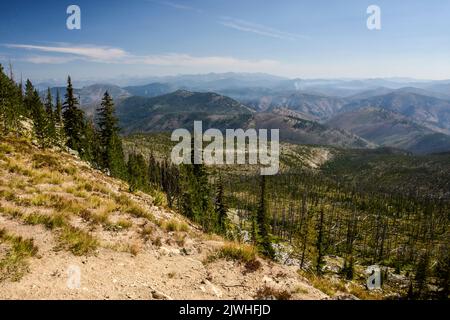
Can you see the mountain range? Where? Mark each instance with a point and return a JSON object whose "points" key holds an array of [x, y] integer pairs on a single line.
{"points": [[401, 113]]}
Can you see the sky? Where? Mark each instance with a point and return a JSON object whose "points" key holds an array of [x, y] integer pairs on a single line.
{"points": [[290, 38]]}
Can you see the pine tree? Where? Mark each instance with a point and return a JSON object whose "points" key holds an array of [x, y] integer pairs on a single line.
{"points": [[170, 181], [196, 196], [422, 273], [91, 144], [73, 117], [154, 172], [263, 239], [137, 172], [319, 242], [59, 124], [51, 128], [37, 113], [221, 208], [11, 106], [442, 273], [112, 157]]}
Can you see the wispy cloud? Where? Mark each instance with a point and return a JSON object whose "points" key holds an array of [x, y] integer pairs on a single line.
{"points": [[43, 59], [66, 53], [89, 52], [186, 60], [247, 26], [179, 6]]}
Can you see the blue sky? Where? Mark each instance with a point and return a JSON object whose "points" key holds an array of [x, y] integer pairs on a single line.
{"points": [[292, 38]]}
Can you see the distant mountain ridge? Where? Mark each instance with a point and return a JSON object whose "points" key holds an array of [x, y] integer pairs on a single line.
{"points": [[388, 128], [180, 108], [420, 109], [426, 110]]}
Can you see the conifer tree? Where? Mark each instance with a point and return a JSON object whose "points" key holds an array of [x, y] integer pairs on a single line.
{"points": [[51, 129], [422, 273], [137, 172], [319, 242], [36, 111], [11, 106], [91, 144], [112, 157], [442, 273], [73, 117], [170, 181], [221, 208], [58, 120], [263, 236]]}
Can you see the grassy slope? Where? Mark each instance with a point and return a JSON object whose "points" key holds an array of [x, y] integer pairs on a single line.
{"points": [[56, 213]]}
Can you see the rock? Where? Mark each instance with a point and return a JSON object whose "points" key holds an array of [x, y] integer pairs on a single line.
{"points": [[160, 296], [216, 291], [345, 296]]}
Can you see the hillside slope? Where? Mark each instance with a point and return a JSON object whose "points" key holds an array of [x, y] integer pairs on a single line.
{"points": [[425, 110], [57, 215], [388, 128]]}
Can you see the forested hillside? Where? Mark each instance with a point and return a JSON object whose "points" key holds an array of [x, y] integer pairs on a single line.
{"points": [[73, 192]]}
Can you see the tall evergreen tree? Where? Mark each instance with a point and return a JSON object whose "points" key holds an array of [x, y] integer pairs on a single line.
{"points": [[196, 196], [73, 117], [137, 172], [11, 106], [91, 144], [59, 124], [422, 273], [319, 242], [51, 129], [37, 113], [221, 208], [112, 157], [263, 235]]}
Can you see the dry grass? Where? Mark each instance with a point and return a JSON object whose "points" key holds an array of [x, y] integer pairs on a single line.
{"points": [[77, 241], [51, 222], [146, 231], [175, 225], [134, 248], [157, 242], [180, 239], [236, 252], [138, 212], [333, 286], [269, 293], [14, 265]]}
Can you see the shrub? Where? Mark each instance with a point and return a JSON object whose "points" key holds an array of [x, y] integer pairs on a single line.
{"points": [[14, 265], [159, 198], [269, 293], [235, 252], [124, 224], [175, 225], [139, 212], [42, 160], [78, 241], [180, 239], [146, 231], [51, 222], [157, 242]]}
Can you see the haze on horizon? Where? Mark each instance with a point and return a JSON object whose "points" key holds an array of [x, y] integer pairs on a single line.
{"points": [[150, 38]]}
